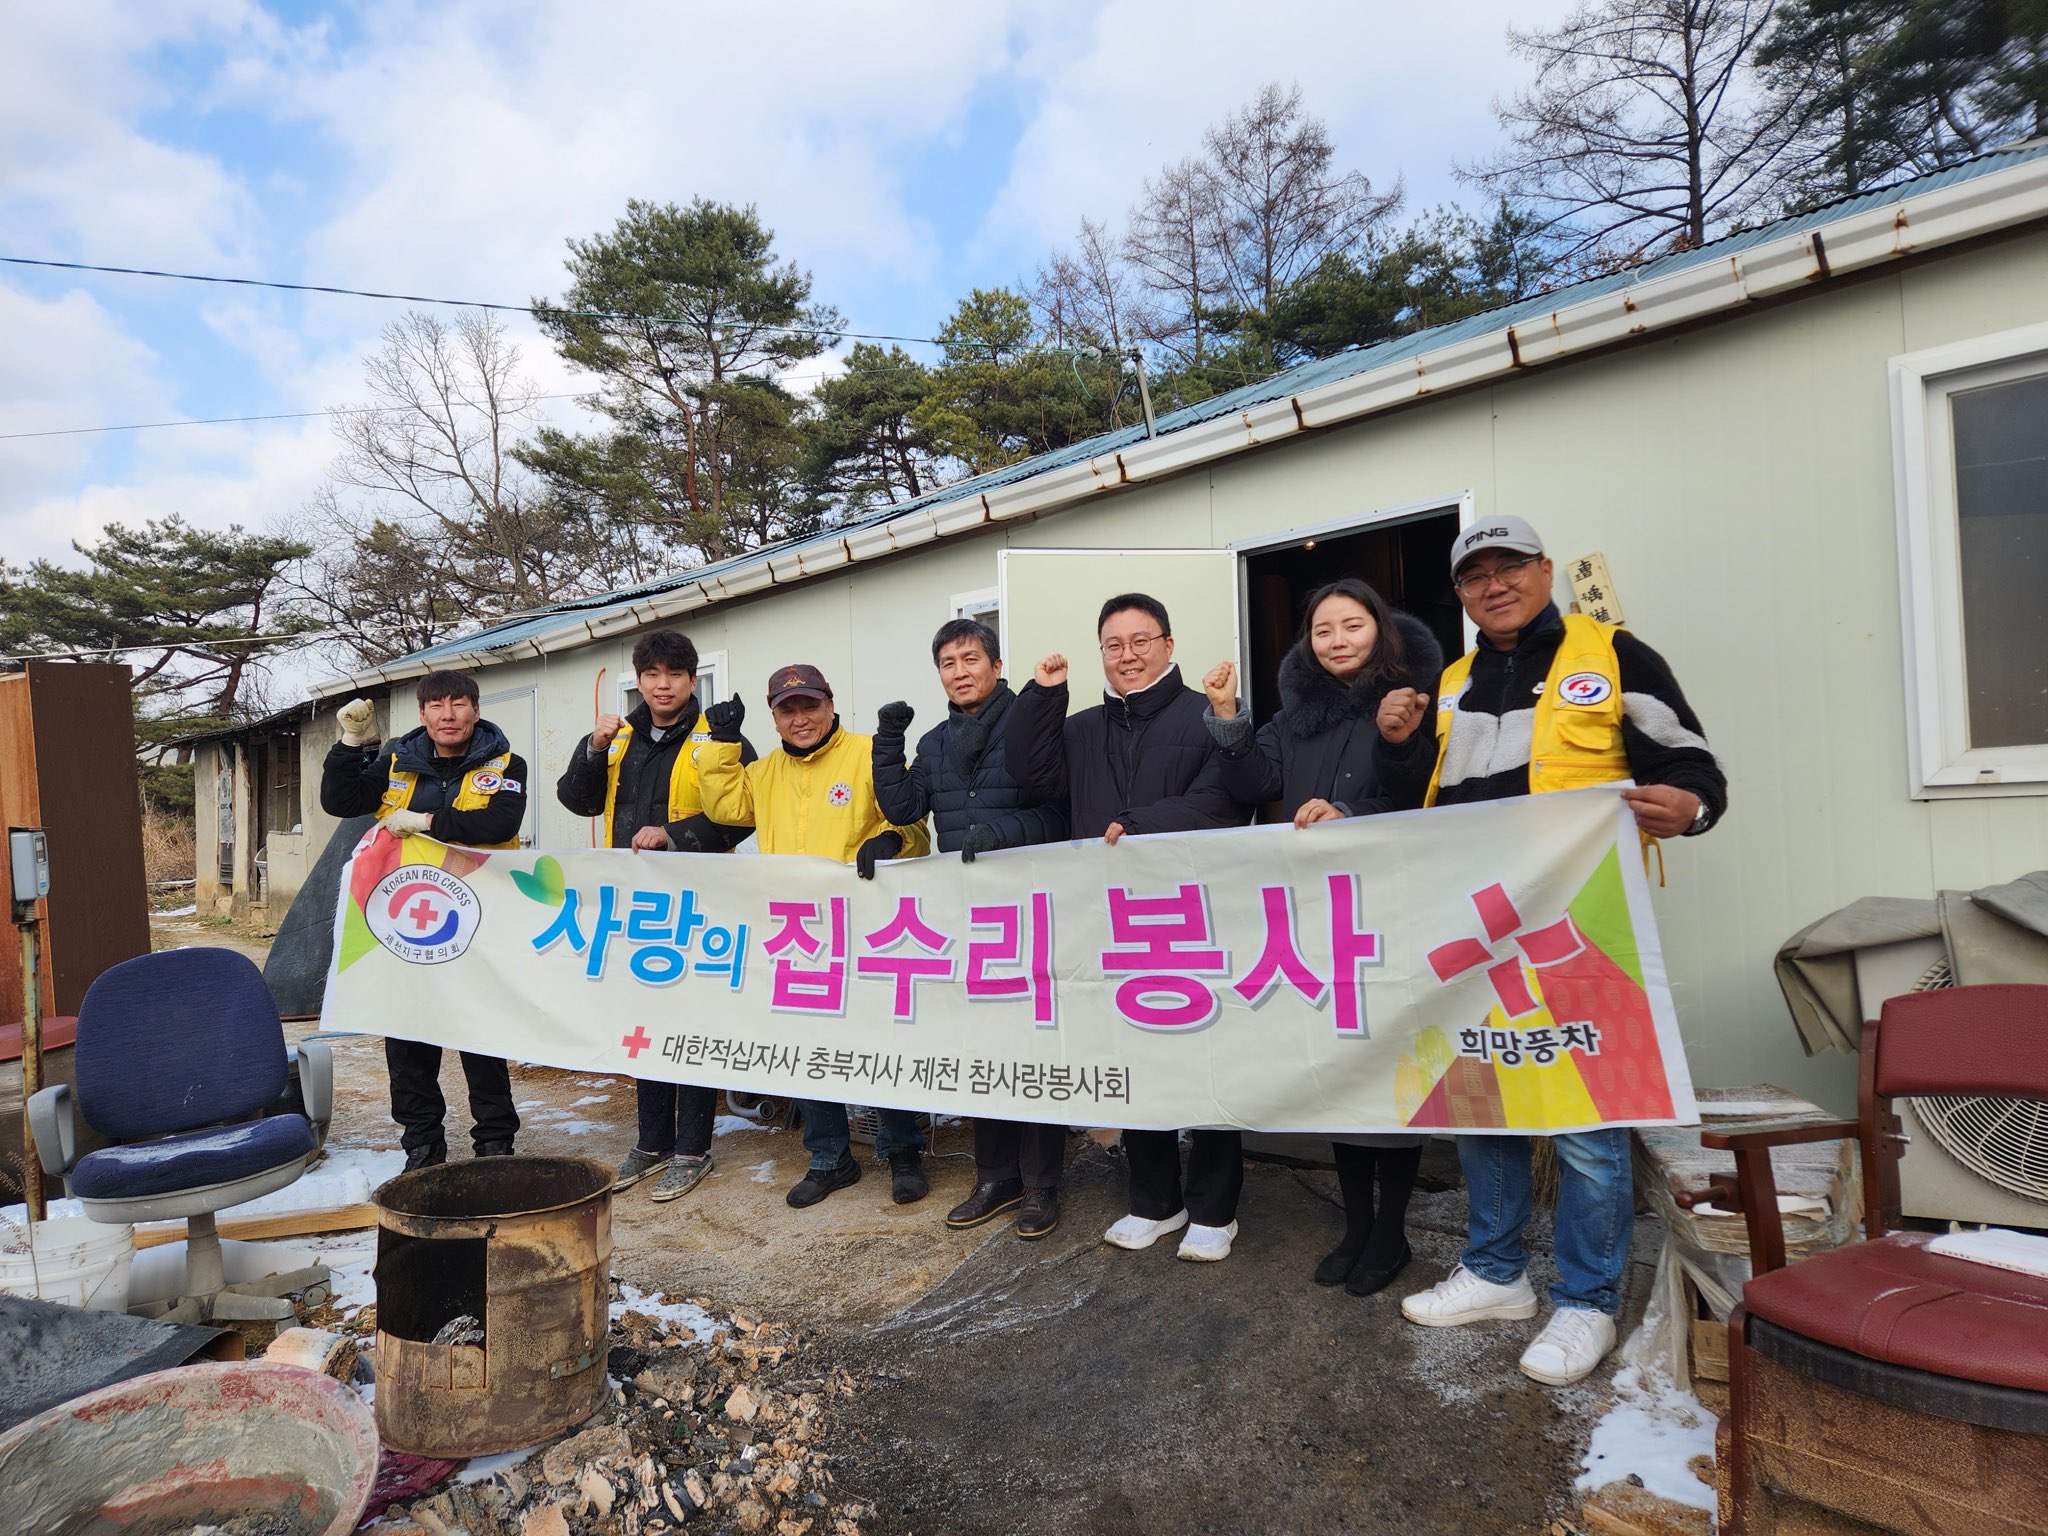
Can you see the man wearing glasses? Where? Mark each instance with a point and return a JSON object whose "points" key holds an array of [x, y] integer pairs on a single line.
{"points": [[1545, 702], [1141, 761]]}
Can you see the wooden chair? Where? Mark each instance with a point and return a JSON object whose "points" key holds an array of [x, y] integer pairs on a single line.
{"points": [[1881, 1381]]}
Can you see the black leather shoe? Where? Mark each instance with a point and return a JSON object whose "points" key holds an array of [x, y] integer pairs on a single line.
{"points": [[1375, 1276], [430, 1156], [817, 1183], [1038, 1214], [1339, 1262], [494, 1149], [907, 1183], [986, 1203]]}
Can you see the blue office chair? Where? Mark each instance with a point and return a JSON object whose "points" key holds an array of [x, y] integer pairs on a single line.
{"points": [[178, 1053]]}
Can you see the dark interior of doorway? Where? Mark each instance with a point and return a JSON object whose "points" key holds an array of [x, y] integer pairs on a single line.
{"points": [[1407, 562]]}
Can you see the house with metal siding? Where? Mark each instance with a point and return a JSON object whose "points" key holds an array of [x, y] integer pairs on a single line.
{"points": [[1802, 451]]}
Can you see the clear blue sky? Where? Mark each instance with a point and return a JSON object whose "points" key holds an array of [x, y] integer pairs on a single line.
{"points": [[902, 152]]}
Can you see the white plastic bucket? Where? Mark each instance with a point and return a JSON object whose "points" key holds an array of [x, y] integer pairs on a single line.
{"points": [[76, 1261]]}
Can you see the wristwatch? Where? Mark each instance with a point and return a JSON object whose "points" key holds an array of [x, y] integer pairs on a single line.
{"points": [[1701, 819]]}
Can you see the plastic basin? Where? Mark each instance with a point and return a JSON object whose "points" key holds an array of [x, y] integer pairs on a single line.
{"points": [[76, 1261], [203, 1444]]}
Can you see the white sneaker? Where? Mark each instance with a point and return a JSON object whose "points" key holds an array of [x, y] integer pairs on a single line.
{"points": [[1462, 1297], [1206, 1245], [1135, 1232], [1574, 1341]]}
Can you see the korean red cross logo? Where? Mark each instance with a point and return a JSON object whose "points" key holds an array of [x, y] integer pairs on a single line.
{"points": [[1585, 688], [422, 914], [840, 793]]}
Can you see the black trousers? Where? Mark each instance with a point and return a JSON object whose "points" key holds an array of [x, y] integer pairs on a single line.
{"points": [[417, 1104], [1020, 1149], [1215, 1175], [674, 1117]]}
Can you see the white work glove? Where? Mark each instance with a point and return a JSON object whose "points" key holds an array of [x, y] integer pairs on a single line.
{"points": [[407, 823], [358, 722]]}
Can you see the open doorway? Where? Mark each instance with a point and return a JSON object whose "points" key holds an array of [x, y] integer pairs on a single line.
{"points": [[1404, 554]]}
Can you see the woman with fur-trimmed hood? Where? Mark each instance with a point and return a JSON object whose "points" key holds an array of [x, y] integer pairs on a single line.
{"points": [[1316, 758]]}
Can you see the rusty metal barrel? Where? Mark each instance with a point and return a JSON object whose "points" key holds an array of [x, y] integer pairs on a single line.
{"points": [[493, 1281]]}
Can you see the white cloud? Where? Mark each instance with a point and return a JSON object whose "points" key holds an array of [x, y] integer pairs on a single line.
{"points": [[451, 150], [1405, 92]]}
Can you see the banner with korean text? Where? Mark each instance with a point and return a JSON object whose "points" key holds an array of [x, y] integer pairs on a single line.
{"points": [[1478, 968]]}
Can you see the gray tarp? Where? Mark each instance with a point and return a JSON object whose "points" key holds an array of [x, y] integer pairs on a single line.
{"points": [[1997, 934], [304, 946]]}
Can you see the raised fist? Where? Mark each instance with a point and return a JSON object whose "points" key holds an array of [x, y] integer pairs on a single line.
{"points": [[607, 728], [1402, 711], [358, 722], [1052, 672], [1220, 683], [895, 718], [724, 719]]}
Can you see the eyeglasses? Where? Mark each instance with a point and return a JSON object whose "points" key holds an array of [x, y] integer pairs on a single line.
{"points": [[1138, 645], [1508, 573]]}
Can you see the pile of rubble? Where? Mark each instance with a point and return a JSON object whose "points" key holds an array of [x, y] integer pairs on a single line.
{"points": [[718, 1436]]}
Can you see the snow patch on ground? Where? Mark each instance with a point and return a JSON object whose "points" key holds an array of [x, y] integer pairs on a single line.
{"points": [[677, 1314], [1450, 1363], [179, 911], [592, 1098], [731, 1125], [350, 1258], [764, 1173], [1653, 1430], [481, 1467]]}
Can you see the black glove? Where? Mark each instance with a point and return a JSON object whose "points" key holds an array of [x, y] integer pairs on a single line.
{"points": [[724, 719], [895, 718], [981, 838], [883, 845]]}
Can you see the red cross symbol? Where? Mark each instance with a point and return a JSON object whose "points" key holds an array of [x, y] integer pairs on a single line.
{"points": [[636, 1042], [424, 914], [1549, 945]]}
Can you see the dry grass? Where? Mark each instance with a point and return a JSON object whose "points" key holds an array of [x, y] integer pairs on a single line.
{"points": [[167, 845]]}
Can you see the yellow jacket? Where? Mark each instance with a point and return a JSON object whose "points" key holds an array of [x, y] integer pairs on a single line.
{"points": [[823, 804]]}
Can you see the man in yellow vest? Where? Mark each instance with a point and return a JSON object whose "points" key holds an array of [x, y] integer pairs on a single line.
{"points": [[1545, 702], [456, 779], [640, 775], [817, 796]]}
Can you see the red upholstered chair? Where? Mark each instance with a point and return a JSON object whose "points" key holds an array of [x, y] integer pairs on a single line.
{"points": [[1881, 1381]]}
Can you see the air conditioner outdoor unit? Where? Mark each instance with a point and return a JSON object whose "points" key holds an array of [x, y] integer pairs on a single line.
{"points": [[1967, 1159]]}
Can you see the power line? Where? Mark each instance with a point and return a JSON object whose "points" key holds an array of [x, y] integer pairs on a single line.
{"points": [[419, 298]]}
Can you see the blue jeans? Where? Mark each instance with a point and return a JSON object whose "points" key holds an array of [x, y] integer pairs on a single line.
{"points": [[826, 1138], [1596, 1213]]}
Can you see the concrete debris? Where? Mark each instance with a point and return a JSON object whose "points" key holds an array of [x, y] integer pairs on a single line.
{"points": [[721, 1436], [460, 1330]]}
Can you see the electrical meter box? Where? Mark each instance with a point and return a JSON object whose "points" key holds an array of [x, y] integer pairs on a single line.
{"points": [[28, 864]]}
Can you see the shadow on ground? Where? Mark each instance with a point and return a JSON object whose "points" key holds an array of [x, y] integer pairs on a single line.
{"points": [[1073, 1389]]}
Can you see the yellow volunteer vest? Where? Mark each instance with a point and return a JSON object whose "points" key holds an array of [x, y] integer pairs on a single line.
{"points": [[477, 787], [684, 797], [1576, 741]]}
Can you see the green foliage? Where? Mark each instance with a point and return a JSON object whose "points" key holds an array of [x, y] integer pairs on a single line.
{"points": [[864, 449], [167, 787], [706, 320], [183, 603], [1888, 88], [1000, 395]]}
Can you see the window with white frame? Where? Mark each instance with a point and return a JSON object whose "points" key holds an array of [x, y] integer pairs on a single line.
{"points": [[1970, 425], [984, 606]]}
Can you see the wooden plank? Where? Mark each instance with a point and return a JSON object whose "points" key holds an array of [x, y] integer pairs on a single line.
{"points": [[1710, 1349], [83, 720], [253, 1229], [18, 808]]}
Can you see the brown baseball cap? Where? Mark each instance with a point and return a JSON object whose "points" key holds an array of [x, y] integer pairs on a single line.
{"points": [[797, 682]]}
